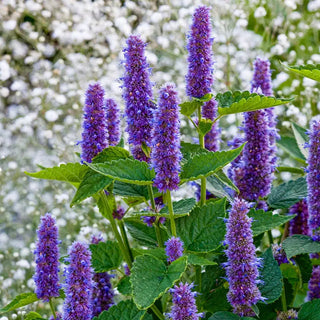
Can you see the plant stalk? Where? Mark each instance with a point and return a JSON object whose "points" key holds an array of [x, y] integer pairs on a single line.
{"points": [[171, 214], [125, 238], [157, 312], [52, 309]]}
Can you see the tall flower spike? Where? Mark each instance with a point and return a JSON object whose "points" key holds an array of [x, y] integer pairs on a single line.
{"points": [[313, 285], [174, 249], [95, 134], [166, 155], [113, 122], [200, 69], [184, 304], [242, 266], [79, 285], [102, 289], [299, 224], [47, 259], [138, 96]]}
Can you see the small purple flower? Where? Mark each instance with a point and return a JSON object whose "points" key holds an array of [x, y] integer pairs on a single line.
{"points": [[174, 249], [166, 155], [79, 285], [150, 220], [288, 315], [184, 303], [127, 271], [313, 181], [113, 122], [118, 213], [95, 134], [299, 224], [279, 254], [242, 266], [58, 316], [102, 289], [47, 259], [314, 287], [200, 70], [138, 96]]}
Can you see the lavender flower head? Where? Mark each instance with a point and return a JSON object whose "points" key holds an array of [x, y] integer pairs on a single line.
{"points": [[95, 134], [242, 265], [279, 254], [174, 249], [47, 259], [313, 181], [113, 122], [79, 285], [102, 290], [138, 96], [166, 155], [184, 304], [313, 285], [200, 69], [299, 224]]}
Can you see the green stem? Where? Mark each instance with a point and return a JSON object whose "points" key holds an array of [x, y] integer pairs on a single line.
{"points": [[217, 118], [157, 312], [108, 214], [171, 213], [151, 196], [158, 233], [283, 300], [125, 238], [198, 277], [270, 237], [203, 179], [52, 309], [291, 169], [195, 125]]}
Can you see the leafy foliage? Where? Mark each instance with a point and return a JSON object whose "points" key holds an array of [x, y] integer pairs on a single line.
{"points": [[310, 71], [19, 301], [300, 244]]}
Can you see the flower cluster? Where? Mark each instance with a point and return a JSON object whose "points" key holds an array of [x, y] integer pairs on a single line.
{"points": [[313, 285], [118, 213], [288, 315], [299, 224], [279, 254], [113, 122], [174, 249]]}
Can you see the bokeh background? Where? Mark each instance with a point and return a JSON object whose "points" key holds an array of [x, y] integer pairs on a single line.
{"points": [[50, 50]]}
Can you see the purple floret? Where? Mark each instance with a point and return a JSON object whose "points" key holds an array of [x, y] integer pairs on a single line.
{"points": [[299, 224], [58, 316], [113, 122], [288, 315], [313, 285], [279, 254], [150, 220], [242, 265], [94, 134], [79, 284], [47, 259], [184, 303], [166, 155], [118, 213], [138, 96], [200, 69], [174, 249]]}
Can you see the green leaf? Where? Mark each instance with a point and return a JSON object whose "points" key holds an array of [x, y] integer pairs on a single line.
{"points": [[287, 194], [189, 107], [235, 102], [126, 170], [310, 310], [300, 244], [70, 172], [206, 164], [19, 301], [33, 316], [225, 315], [150, 278], [110, 154], [225, 180], [265, 221], [271, 276], [124, 286], [205, 126], [204, 229], [311, 71], [207, 97], [189, 150], [105, 256], [218, 188], [130, 190], [289, 144], [146, 149], [199, 261], [181, 206], [301, 138], [124, 310], [158, 253], [304, 264]]}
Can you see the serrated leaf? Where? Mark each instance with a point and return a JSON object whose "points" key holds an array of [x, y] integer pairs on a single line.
{"points": [[124, 286], [301, 138], [204, 229], [19, 301], [300, 244], [181, 206], [235, 102], [124, 310], [271, 276], [189, 150], [287, 194], [110, 154], [206, 164], [130, 190], [265, 221], [289, 144], [311, 71], [158, 253], [189, 107], [105, 256], [225, 315], [205, 126], [199, 261], [126, 170], [304, 264], [33, 316], [225, 180], [207, 97], [310, 310], [150, 278], [218, 188], [70, 172]]}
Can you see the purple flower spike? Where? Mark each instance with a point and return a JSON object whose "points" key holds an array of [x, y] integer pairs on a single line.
{"points": [[174, 249], [47, 259], [242, 266], [102, 290], [79, 285], [200, 69], [166, 155], [95, 134], [299, 224], [314, 288], [138, 96], [184, 303], [313, 181], [113, 122]]}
